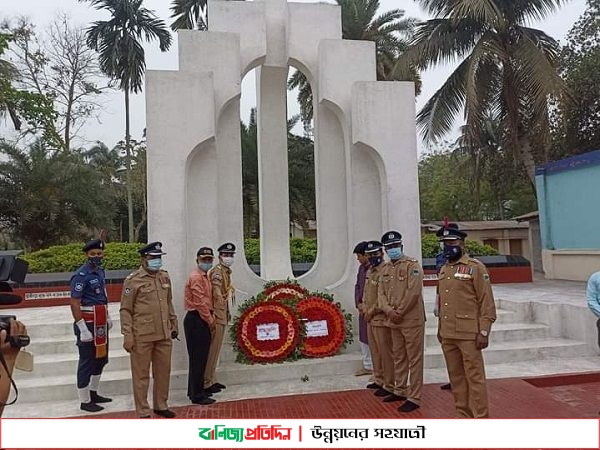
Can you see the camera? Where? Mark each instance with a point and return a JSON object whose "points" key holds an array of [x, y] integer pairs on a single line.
{"points": [[11, 269], [15, 341]]}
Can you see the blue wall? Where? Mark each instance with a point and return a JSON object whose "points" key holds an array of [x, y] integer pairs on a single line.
{"points": [[569, 202]]}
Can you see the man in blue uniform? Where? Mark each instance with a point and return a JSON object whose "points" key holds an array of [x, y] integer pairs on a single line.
{"points": [[89, 306]]}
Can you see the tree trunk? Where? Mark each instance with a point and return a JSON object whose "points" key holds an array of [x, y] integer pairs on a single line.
{"points": [[130, 227], [527, 160]]}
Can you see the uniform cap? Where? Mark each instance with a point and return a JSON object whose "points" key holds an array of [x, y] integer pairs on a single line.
{"points": [[373, 246], [205, 251], [450, 232], [391, 237], [152, 249], [94, 244], [228, 247], [360, 248]]}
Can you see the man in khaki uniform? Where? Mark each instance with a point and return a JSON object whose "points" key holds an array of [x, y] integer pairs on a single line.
{"points": [[377, 332], [148, 324], [401, 299], [466, 314], [222, 295]]}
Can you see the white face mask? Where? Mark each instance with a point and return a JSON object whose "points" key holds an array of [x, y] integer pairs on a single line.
{"points": [[227, 261]]}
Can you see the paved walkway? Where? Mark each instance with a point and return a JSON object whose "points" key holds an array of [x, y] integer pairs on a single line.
{"points": [[565, 396]]}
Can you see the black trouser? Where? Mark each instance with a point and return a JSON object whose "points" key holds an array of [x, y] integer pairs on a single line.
{"points": [[598, 326], [197, 339], [88, 363]]}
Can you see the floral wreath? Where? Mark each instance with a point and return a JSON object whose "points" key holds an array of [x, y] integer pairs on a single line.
{"points": [[326, 341], [279, 290], [279, 345], [287, 307]]}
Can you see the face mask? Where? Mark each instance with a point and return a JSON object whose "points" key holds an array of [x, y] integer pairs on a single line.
{"points": [[227, 261], [95, 261], [452, 252], [205, 266], [375, 260], [394, 253], [155, 264]]}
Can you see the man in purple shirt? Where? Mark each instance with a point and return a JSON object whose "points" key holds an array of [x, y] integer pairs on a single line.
{"points": [[359, 251]]}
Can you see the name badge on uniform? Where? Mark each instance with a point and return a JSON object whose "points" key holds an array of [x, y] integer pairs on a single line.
{"points": [[464, 273]]}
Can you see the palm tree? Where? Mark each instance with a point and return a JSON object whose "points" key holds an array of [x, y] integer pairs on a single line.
{"points": [[505, 68], [42, 198], [189, 15], [118, 42], [391, 33]]}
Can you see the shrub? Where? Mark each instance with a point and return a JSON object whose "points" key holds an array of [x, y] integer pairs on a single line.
{"points": [[430, 247], [67, 258], [125, 256]]}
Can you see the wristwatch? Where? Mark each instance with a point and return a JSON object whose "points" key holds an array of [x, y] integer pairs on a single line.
{"points": [[484, 333]]}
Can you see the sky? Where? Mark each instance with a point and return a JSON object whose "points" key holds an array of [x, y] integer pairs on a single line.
{"points": [[110, 125]]}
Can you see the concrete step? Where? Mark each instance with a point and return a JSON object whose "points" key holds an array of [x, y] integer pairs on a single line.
{"points": [[54, 376], [118, 380], [58, 356], [123, 401]]}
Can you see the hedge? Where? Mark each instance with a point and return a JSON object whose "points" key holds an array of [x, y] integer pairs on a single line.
{"points": [[124, 256], [430, 247]]}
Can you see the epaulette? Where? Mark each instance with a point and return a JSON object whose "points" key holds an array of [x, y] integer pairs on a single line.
{"points": [[132, 274]]}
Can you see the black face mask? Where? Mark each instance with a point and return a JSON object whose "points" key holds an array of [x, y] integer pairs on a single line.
{"points": [[96, 261], [375, 260], [452, 252]]}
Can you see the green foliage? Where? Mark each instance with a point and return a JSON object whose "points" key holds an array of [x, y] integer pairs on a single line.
{"points": [[578, 115], [502, 65], [430, 247], [486, 185], [302, 250], [67, 258], [48, 197]]}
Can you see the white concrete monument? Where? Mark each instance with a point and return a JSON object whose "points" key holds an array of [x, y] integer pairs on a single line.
{"points": [[365, 144]]}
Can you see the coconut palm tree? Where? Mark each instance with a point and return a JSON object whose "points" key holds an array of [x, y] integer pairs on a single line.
{"points": [[505, 68], [390, 31], [119, 44]]}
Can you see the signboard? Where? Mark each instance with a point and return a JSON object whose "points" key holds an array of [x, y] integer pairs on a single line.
{"points": [[316, 328], [267, 332]]}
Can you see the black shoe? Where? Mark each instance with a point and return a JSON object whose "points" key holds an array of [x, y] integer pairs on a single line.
{"points": [[408, 406], [203, 401], [219, 386], [446, 387], [213, 389], [373, 386], [167, 413], [95, 398], [382, 393], [90, 407], [393, 398]]}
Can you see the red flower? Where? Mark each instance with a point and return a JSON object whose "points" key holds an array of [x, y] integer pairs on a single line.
{"points": [[329, 339], [283, 340], [282, 291]]}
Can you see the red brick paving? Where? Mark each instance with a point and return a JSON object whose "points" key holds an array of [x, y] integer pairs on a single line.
{"points": [[509, 398]]}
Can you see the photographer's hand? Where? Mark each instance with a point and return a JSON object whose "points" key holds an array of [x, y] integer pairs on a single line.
{"points": [[10, 355]]}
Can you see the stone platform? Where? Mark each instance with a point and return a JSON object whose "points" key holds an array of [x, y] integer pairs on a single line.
{"points": [[543, 328]]}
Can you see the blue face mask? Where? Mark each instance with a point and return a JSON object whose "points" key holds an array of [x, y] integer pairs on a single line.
{"points": [[452, 252], [375, 260], [155, 264], [96, 261], [394, 253], [205, 266]]}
